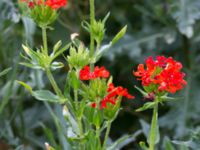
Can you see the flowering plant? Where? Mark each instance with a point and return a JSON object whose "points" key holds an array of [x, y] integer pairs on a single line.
{"points": [[90, 100], [160, 77]]}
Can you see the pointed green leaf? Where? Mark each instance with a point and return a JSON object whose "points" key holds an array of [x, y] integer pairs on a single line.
{"points": [[86, 26], [30, 65], [169, 99], [141, 91], [106, 18], [148, 105], [57, 46], [5, 71], [119, 35], [28, 87], [62, 50], [26, 49], [120, 140]]}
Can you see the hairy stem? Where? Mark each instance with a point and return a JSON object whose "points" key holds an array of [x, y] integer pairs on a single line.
{"points": [[106, 135], [92, 19], [154, 125], [44, 37], [53, 83], [76, 99], [48, 71]]}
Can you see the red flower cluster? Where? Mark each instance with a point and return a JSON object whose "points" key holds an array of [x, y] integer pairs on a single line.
{"points": [[86, 74], [163, 72], [113, 94], [54, 4]]}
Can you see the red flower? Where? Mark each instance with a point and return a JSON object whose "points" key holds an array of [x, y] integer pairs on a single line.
{"points": [[113, 94], [163, 72], [31, 5], [101, 72], [86, 74], [93, 105], [56, 4]]}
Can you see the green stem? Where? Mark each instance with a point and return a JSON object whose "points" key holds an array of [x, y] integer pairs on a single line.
{"points": [[81, 145], [80, 126], [53, 83], [92, 19], [107, 134], [76, 99], [153, 130], [44, 37], [98, 132], [48, 71]]}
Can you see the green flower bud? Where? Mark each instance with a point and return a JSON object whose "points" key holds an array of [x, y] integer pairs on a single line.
{"points": [[78, 58], [43, 15], [98, 29]]}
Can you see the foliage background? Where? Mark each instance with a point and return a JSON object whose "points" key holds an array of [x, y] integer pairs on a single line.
{"points": [[156, 27]]}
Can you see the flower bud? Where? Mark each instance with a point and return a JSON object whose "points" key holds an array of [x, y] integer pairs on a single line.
{"points": [[98, 29], [42, 12], [78, 58]]}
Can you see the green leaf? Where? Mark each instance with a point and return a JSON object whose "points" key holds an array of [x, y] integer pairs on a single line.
{"points": [[120, 140], [148, 105], [45, 95], [57, 46], [141, 91], [31, 65], [31, 53], [5, 71], [28, 87], [62, 50], [106, 18], [169, 99], [26, 49], [119, 35], [86, 26]]}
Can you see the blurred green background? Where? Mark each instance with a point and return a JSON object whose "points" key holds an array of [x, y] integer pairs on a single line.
{"points": [[156, 27]]}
